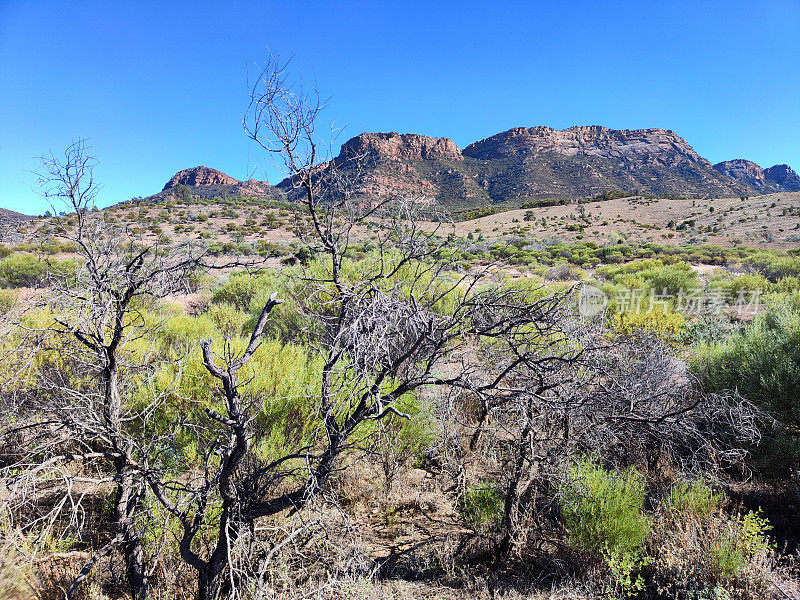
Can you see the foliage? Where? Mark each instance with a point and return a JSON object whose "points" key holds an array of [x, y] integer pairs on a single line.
{"points": [[694, 499], [7, 301], [22, 269], [699, 551], [762, 362], [602, 511], [483, 504], [667, 326]]}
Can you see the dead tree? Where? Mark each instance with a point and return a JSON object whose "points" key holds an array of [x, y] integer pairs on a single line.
{"points": [[397, 322], [77, 408]]}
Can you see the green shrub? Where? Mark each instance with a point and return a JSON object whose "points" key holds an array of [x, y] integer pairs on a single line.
{"points": [[21, 270], [695, 499], [602, 509], [7, 301], [762, 362], [483, 504], [671, 279], [774, 266]]}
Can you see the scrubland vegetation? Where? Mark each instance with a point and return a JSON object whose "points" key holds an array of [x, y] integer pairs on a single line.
{"points": [[394, 411]]}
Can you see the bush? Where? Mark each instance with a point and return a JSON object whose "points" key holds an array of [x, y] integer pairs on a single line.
{"points": [[762, 362], [483, 504], [701, 552], [671, 279], [7, 301], [669, 327], [602, 511], [694, 500], [21, 270], [773, 266]]}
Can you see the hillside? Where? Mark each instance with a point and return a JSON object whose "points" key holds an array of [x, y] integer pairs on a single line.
{"points": [[11, 215], [582, 162]]}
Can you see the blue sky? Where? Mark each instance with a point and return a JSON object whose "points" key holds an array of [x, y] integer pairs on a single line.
{"points": [[161, 86]]}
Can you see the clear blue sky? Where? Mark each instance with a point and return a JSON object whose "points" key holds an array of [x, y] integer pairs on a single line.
{"points": [[160, 86]]}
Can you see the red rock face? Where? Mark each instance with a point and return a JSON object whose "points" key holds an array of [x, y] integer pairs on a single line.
{"points": [[200, 176], [593, 140], [403, 146]]}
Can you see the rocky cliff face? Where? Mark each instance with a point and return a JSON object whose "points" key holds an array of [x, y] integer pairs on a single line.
{"points": [[593, 140], [407, 164], [199, 176], [521, 163], [585, 161], [779, 178], [784, 177], [532, 162], [401, 146]]}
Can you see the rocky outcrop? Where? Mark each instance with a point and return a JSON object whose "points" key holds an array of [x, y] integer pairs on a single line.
{"points": [[585, 161], [521, 163], [381, 165], [205, 182], [779, 178], [783, 177], [742, 170], [593, 140], [401, 146], [198, 176]]}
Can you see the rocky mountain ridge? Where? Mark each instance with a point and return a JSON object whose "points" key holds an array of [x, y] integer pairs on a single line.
{"points": [[593, 140], [778, 178], [518, 164]]}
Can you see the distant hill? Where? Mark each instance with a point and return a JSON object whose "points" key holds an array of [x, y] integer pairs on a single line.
{"points": [[779, 178], [7, 215], [514, 166], [206, 183]]}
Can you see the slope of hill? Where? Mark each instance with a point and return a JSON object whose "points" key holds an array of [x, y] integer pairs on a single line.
{"points": [[12, 216]]}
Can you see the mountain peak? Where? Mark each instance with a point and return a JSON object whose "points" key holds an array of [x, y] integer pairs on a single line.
{"points": [[778, 178], [198, 176], [404, 146]]}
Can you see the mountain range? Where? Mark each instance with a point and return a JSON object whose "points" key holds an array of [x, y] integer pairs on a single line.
{"points": [[521, 164], [511, 167]]}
